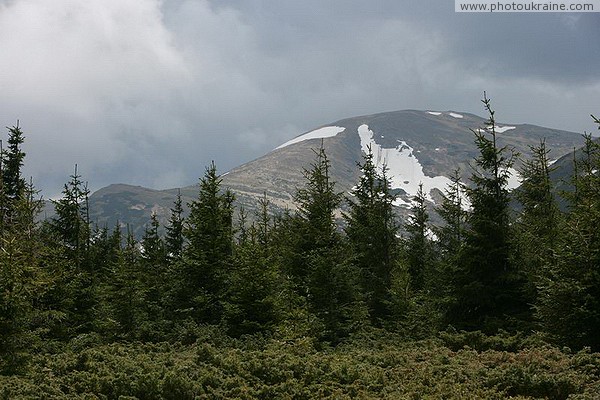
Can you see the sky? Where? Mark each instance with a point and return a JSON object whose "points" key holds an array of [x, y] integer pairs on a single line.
{"points": [[149, 92]]}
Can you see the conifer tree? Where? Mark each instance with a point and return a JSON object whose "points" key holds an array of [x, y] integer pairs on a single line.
{"points": [[71, 232], [12, 162], [538, 225], [154, 252], [25, 263], [417, 246], [12, 184], [126, 292], [451, 235], [451, 239], [72, 221], [488, 288], [371, 231], [319, 261], [174, 239], [153, 276], [253, 302], [570, 293], [207, 258]]}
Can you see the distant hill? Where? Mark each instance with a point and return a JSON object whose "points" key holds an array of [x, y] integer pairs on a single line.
{"points": [[417, 146]]}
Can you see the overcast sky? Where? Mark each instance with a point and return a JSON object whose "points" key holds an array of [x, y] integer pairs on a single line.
{"points": [[148, 92]]}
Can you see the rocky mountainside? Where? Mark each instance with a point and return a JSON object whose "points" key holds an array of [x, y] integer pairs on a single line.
{"points": [[417, 147]]}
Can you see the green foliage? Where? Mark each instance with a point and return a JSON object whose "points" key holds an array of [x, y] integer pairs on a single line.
{"points": [[207, 258], [24, 281], [280, 310], [13, 184], [70, 234], [488, 287], [72, 220], [317, 259], [174, 240], [253, 300], [538, 226], [450, 244], [371, 234], [372, 365], [418, 249], [569, 304]]}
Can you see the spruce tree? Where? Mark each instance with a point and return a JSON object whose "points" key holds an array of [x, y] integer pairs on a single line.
{"points": [[450, 240], [174, 240], [153, 262], [488, 287], [253, 300], [417, 245], [12, 184], [71, 223], [12, 162], [569, 302], [25, 263], [71, 232], [371, 231], [538, 224], [207, 258], [320, 266], [125, 295]]}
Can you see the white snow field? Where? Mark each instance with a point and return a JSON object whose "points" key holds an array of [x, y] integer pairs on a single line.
{"points": [[321, 133], [404, 169]]}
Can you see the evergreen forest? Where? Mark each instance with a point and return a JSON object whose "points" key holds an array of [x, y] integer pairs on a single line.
{"points": [[308, 303]]}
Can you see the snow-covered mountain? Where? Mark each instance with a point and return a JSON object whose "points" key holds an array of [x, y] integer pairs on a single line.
{"points": [[416, 146]]}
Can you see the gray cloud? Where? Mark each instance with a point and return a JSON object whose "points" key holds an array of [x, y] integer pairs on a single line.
{"points": [[149, 92]]}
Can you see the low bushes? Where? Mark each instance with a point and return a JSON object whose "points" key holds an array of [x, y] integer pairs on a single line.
{"points": [[371, 365]]}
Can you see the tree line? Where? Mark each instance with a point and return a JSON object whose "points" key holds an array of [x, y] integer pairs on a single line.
{"points": [[298, 273]]}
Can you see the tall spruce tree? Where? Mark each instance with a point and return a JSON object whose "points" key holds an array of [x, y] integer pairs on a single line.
{"points": [[71, 223], [538, 224], [417, 245], [125, 295], [72, 233], [371, 230], [253, 299], [25, 263], [12, 184], [12, 162], [174, 240], [488, 288], [207, 258], [451, 239], [569, 302], [154, 274], [320, 265]]}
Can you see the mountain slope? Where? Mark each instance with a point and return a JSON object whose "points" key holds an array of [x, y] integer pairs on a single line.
{"points": [[417, 146]]}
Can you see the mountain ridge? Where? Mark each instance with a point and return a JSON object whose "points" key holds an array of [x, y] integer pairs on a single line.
{"points": [[418, 144]]}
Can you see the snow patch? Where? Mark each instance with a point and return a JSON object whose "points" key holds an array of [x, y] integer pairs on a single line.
{"points": [[321, 133], [436, 113], [455, 115], [514, 179], [502, 129], [405, 171]]}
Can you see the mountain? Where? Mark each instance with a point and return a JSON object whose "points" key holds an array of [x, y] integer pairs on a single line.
{"points": [[417, 147]]}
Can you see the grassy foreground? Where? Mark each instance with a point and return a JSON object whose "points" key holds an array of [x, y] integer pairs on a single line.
{"points": [[374, 365]]}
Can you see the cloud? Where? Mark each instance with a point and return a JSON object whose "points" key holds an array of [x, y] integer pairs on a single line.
{"points": [[149, 92], [80, 74]]}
